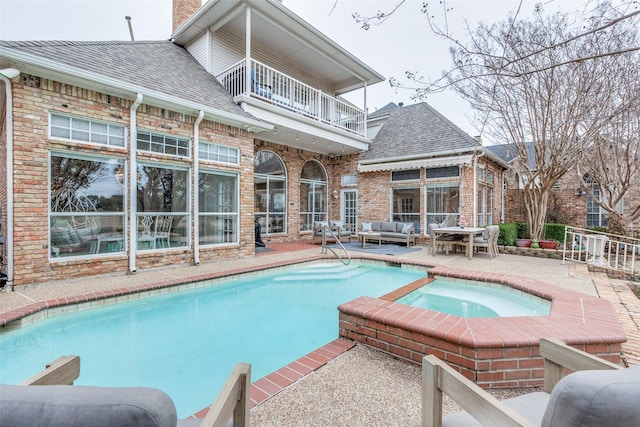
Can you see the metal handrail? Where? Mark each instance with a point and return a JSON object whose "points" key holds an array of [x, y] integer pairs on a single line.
{"points": [[326, 228], [609, 251]]}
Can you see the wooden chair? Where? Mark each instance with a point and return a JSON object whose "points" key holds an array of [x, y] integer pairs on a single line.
{"points": [[488, 241], [59, 403], [442, 241], [605, 395]]}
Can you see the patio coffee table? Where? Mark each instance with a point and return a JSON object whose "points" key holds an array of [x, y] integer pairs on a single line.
{"points": [[371, 236]]}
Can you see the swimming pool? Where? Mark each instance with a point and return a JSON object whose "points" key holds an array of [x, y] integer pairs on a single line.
{"points": [[187, 343], [474, 300]]}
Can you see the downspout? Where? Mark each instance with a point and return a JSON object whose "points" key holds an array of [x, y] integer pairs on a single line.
{"points": [[5, 76], [196, 189], [133, 184]]}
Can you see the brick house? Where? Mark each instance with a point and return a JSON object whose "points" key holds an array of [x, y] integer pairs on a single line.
{"points": [[131, 155], [569, 203], [422, 168]]}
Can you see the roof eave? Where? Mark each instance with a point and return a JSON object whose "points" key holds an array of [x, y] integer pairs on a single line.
{"points": [[34, 64]]}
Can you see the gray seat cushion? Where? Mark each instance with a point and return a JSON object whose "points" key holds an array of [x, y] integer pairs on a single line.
{"points": [[531, 406], [81, 406], [595, 398]]}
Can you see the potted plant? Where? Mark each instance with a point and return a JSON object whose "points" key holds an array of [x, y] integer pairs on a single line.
{"points": [[523, 243], [535, 244], [548, 244]]}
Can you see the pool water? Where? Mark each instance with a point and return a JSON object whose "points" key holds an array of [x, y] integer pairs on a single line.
{"points": [[472, 300], [187, 343]]}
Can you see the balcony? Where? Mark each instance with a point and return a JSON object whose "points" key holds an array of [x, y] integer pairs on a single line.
{"points": [[278, 89]]}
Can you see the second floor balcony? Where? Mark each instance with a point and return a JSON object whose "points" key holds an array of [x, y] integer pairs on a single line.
{"points": [[280, 90]]}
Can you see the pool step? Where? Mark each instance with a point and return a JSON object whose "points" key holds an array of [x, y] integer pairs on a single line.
{"points": [[324, 272]]}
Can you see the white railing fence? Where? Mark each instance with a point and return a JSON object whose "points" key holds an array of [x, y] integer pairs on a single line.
{"points": [[608, 251], [286, 92]]}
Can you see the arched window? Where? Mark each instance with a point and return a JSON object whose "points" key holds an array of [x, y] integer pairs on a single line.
{"points": [[313, 195], [270, 188]]}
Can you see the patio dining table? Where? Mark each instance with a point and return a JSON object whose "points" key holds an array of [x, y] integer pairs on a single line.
{"points": [[463, 231]]}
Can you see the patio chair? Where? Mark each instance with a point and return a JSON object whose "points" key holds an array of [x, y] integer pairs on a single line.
{"points": [[49, 399], [488, 240], [603, 394], [443, 241]]}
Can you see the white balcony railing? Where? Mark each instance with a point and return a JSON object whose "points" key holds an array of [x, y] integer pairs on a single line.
{"points": [[283, 91], [609, 251]]}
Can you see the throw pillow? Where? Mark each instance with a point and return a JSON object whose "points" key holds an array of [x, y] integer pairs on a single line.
{"points": [[406, 228], [366, 226]]}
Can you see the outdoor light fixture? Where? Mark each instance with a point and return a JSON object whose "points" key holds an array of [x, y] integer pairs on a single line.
{"points": [[580, 192], [9, 73]]}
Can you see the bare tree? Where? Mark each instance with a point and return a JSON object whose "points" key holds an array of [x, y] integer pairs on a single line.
{"points": [[560, 108]]}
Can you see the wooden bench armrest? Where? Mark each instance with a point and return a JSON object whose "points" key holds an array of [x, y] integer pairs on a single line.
{"points": [[561, 359], [439, 377], [233, 400], [62, 371]]}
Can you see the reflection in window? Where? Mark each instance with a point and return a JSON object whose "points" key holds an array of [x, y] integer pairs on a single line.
{"points": [[218, 208], [270, 188], [443, 201], [87, 206], [406, 206], [313, 195], [163, 209]]}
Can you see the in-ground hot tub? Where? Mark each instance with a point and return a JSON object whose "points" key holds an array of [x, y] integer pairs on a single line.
{"points": [[494, 352]]}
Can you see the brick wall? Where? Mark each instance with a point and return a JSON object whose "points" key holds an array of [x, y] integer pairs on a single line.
{"points": [[34, 99]]}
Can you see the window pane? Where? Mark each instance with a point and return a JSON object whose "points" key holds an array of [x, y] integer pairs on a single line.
{"points": [[87, 206], [270, 192], [406, 206], [442, 203], [162, 189]]}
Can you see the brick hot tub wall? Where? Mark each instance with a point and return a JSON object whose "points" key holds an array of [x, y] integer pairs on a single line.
{"points": [[493, 352]]}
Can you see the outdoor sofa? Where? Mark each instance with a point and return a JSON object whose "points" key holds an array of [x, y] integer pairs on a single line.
{"points": [[401, 232], [601, 394], [48, 399]]}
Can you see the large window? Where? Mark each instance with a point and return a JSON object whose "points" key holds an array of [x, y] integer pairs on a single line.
{"points": [[313, 195], [485, 206], [405, 206], [76, 129], [218, 208], [163, 207], [86, 207], [270, 188], [596, 215], [442, 203]]}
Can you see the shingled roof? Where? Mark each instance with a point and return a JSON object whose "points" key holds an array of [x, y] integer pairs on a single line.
{"points": [[417, 130], [161, 66]]}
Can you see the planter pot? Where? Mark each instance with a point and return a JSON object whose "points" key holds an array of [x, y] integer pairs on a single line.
{"points": [[523, 243], [548, 244]]}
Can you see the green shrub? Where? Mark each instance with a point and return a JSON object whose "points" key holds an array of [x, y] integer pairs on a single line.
{"points": [[508, 234], [523, 233], [554, 232]]}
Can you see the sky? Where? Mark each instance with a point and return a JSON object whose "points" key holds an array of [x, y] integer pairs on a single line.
{"points": [[401, 43]]}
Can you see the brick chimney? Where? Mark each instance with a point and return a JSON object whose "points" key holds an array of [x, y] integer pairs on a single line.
{"points": [[183, 10]]}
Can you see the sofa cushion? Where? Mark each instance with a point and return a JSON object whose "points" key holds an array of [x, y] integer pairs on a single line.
{"points": [[375, 226], [390, 235], [388, 227], [366, 226], [595, 398], [72, 406]]}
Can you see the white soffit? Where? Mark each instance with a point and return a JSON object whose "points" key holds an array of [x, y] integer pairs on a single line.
{"points": [[438, 162]]}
